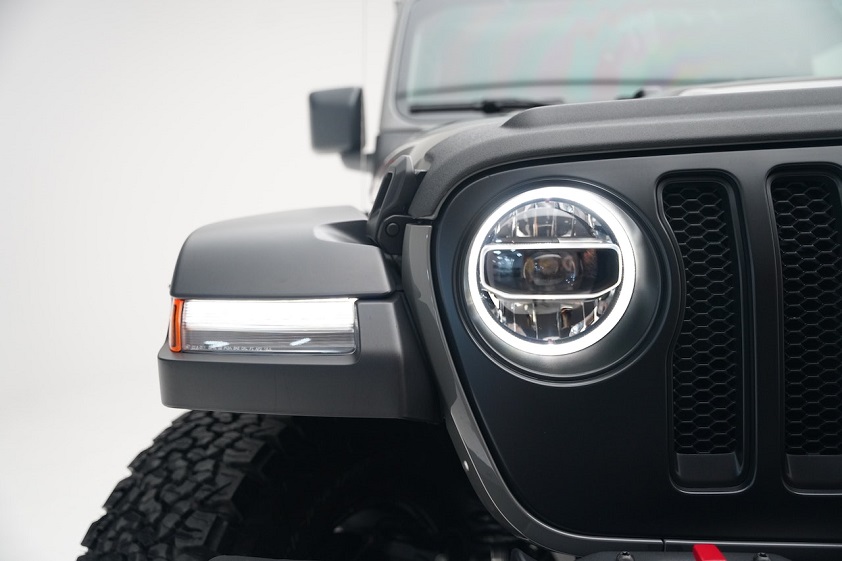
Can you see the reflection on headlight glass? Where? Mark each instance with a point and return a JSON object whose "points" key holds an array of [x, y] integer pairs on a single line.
{"points": [[549, 270]]}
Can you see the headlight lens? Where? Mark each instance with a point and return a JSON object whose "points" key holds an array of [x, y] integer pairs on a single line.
{"points": [[550, 271]]}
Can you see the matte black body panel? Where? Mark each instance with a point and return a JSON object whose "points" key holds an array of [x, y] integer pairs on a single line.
{"points": [[610, 128], [579, 466], [593, 459], [386, 378], [463, 424], [313, 253]]}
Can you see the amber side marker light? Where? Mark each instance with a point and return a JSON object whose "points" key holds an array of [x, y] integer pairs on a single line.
{"points": [[175, 325], [317, 326]]}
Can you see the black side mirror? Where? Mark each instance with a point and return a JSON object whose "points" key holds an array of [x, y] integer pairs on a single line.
{"points": [[336, 121]]}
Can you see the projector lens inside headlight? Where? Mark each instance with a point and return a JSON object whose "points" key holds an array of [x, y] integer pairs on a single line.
{"points": [[544, 271], [550, 271]]}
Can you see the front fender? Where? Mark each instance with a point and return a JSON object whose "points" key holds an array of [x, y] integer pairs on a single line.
{"points": [[311, 253], [300, 255]]}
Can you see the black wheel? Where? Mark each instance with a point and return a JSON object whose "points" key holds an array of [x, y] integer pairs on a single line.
{"points": [[220, 483]]}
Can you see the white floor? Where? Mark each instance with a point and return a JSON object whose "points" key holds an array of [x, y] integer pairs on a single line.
{"points": [[124, 125]]}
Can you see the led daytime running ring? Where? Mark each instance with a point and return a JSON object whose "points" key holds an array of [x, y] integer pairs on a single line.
{"points": [[609, 215]]}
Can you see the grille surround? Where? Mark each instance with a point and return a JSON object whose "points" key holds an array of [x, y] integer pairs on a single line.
{"points": [[608, 442]]}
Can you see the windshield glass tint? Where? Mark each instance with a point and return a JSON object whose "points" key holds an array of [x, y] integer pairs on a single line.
{"points": [[586, 50]]}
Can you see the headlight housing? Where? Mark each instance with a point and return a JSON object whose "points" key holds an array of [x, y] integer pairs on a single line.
{"points": [[550, 271]]}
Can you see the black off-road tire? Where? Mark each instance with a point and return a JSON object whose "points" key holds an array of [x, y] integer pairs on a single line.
{"points": [[189, 495], [221, 483]]}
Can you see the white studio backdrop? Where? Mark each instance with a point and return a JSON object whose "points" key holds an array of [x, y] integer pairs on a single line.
{"points": [[125, 125]]}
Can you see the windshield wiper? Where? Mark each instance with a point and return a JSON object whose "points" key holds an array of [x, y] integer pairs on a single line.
{"points": [[483, 106]]}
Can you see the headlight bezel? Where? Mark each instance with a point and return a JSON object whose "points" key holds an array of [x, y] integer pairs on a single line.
{"points": [[597, 355], [608, 214]]}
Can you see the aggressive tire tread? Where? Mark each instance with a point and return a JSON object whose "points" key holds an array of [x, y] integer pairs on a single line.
{"points": [[189, 496], [292, 488]]}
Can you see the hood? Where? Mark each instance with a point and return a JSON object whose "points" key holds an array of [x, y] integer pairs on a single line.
{"points": [[615, 128], [420, 147]]}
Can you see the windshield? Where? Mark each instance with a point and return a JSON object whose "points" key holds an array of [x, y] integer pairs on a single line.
{"points": [[590, 50]]}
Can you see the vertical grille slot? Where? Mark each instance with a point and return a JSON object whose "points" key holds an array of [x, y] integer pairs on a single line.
{"points": [[808, 216], [708, 373]]}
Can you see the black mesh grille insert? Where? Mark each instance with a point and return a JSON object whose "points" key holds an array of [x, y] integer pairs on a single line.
{"points": [[707, 372], [807, 214]]}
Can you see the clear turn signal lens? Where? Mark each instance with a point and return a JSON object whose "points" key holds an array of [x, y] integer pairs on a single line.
{"points": [[327, 326]]}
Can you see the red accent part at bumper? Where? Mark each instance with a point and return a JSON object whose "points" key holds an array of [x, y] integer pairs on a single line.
{"points": [[707, 552]]}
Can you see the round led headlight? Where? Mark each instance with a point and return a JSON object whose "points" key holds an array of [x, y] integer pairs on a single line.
{"points": [[550, 271]]}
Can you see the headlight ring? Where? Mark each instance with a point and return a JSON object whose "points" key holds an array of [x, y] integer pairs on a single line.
{"points": [[550, 272]]}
